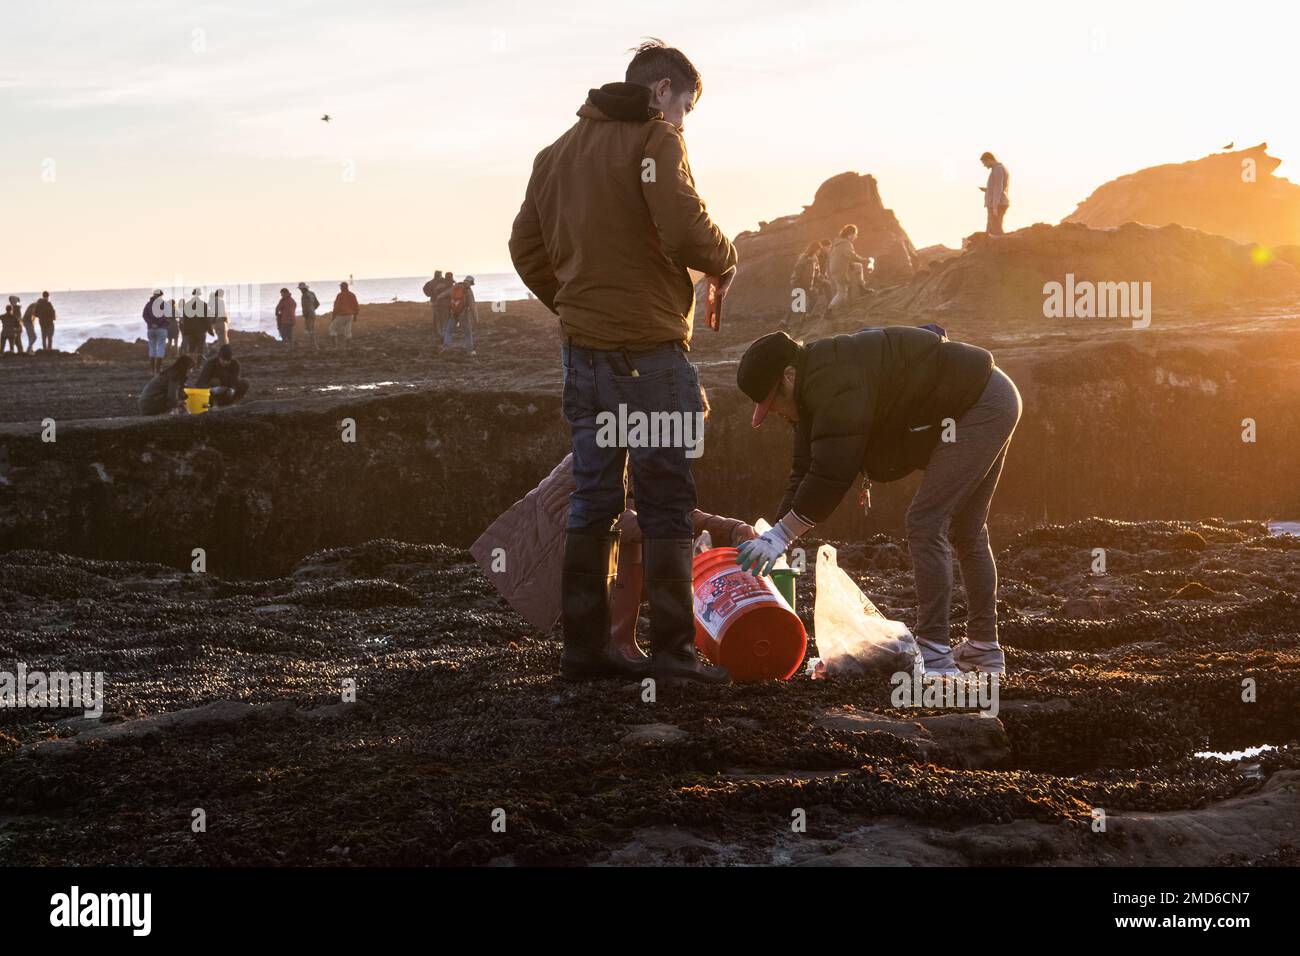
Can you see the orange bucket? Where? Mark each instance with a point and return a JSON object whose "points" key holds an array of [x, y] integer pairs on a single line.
{"points": [[742, 622]]}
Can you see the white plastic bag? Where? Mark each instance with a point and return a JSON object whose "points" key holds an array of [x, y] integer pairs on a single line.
{"points": [[852, 635]]}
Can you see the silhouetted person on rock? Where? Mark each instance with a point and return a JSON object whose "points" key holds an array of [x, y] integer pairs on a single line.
{"points": [[165, 392], [10, 336], [43, 309], [609, 227], [310, 307], [848, 269], [997, 193], [221, 374], [27, 320], [809, 279]]}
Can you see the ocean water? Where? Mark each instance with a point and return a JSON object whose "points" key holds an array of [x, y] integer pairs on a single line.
{"points": [[115, 313]]}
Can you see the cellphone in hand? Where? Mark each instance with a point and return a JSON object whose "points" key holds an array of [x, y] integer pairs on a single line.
{"points": [[713, 305]]}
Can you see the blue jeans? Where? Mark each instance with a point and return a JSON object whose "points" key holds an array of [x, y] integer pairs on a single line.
{"points": [[157, 342], [464, 320], [599, 387]]}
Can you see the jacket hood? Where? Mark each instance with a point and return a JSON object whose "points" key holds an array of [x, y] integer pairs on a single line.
{"points": [[629, 102]]}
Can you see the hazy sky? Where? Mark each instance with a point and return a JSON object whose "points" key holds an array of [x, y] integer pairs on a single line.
{"points": [[147, 140]]}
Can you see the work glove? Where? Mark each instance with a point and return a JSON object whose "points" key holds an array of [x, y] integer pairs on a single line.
{"points": [[761, 554]]}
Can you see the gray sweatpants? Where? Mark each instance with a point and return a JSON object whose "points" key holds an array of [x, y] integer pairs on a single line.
{"points": [[953, 503]]}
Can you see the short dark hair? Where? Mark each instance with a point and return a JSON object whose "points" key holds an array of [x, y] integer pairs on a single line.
{"points": [[653, 60]]}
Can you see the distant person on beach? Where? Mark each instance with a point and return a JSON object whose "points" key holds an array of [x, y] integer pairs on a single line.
{"points": [[29, 325], [433, 289], [286, 310], [218, 317], [10, 336], [166, 391], [997, 193], [848, 269], [442, 306], [155, 328], [608, 229], [27, 321], [346, 310], [882, 403], [196, 326], [221, 374], [310, 306], [173, 327], [43, 309], [462, 313]]}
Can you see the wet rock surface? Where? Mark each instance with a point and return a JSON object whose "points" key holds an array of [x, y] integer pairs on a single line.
{"points": [[227, 695]]}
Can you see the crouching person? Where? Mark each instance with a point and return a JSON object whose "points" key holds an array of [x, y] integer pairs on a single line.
{"points": [[878, 403], [522, 555], [221, 374], [165, 392]]}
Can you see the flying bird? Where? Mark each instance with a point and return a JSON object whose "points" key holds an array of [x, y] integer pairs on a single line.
{"points": [[325, 118], [1230, 145]]}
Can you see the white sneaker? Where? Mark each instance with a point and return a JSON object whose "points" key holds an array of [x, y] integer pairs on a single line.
{"points": [[970, 658], [937, 659]]}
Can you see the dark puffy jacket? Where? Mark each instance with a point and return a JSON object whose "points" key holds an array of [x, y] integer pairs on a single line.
{"points": [[872, 403], [214, 373], [156, 318]]}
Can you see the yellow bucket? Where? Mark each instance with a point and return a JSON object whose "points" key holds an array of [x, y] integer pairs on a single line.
{"points": [[196, 400]]}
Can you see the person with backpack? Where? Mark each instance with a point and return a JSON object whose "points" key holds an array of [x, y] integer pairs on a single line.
{"points": [[310, 306], [608, 249], [883, 403], [346, 309], [286, 310], [462, 312]]}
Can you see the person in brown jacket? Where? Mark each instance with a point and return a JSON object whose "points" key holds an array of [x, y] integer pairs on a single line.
{"points": [[609, 226], [520, 554]]}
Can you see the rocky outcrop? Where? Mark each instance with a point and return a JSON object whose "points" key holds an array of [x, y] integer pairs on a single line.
{"points": [[1232, 194], [998, 285], [762, 288]]}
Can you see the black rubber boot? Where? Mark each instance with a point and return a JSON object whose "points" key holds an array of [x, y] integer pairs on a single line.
{"points": [[590, 566], [667, 564]]}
